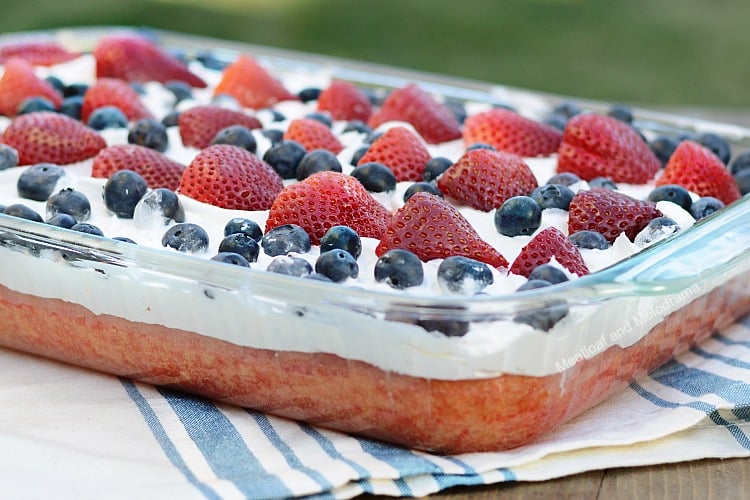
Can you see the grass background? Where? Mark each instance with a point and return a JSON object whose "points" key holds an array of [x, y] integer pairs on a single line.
{"points": [[671, 53]]}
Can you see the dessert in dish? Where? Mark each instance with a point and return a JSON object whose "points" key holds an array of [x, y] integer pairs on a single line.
{"points": [[442, 263]]}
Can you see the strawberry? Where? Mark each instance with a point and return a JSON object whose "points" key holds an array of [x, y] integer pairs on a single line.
{"points": [[698, 169], [596, 145], [545, 245], [400, 150], [484, 179], [156, 168], [252, 86], [230, 177], [19, 82], [134, 58], [313, 134], [610, 213], [344, 101], [435, 122], [506, 130], [48, 137], [432, 228], [36, 52], [326, 199], [200, 124], [113, 92]]}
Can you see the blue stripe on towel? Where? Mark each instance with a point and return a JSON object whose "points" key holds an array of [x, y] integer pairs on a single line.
{"points": [[718, 357], [696, 383], [727, 341]]}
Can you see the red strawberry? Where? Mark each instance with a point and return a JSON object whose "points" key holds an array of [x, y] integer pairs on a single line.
{"points": [[326, 199], [200, 124], [113, 92], [134, 58], [36, 52], [432, 228], [400, 150], [252, 86], [48, 137], [699, 170], [508, 131], [230, 177], [549, 243], [312, 134], [345, 101], [19, 82], [596, 145], [609, 213], [156, 168], [434, 121], [484, 179]]}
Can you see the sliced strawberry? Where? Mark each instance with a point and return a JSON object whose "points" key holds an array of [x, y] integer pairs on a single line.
{"points": [[400, 150], [200, 124], [36, 52], [434, 121], [47, 137], [230, 177], [596, 145], [484, 179], [698, 169], [609, 213], [156, 168], [549, 243], [313, 134], [19, 82], [432, 228], [113, 92], [134, 58], [508, 131], [345, 101], [252, 86], [327, 199]]}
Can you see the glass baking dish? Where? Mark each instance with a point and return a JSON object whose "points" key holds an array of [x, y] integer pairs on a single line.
{"points": [[373, 363]]}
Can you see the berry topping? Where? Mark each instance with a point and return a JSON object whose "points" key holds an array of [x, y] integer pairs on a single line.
{"points": [[548, 272], [200, 124], [508, 131], [284, 158], [422, 187], [285, 239], [317, 160], [703, 207], [252, 86], [232, 258], [37, 52], [663, 147], [344, 101], [342, 238], [553, 196], [399, 269], [122, 192], [113, 92], [19, 82], [242, 244], [39, 181], [400, 150], [462, 275], [149, 133], [23, 212], [236, 135], [548, 244], [589, 239], [542, 318], [186, 237], [312, 135], [435, 168], [71, 202], [86, 228], [337, 264], [656, 230], [672, 192], [375, 177], [34, 104], [8, 157], [155, 167], [289, 265], [244, 226], [158, 207], [519, 215], [717, 144], [107, 117]]}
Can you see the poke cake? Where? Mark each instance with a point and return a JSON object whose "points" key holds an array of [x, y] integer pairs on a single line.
{"points": [[440, 264]]}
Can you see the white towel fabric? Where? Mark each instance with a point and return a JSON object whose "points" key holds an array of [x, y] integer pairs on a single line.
{"points": [[69, 432]]}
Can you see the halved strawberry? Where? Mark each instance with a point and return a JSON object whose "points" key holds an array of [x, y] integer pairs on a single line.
{"points": [[400, 150], [434, 121], [595, 145], [313, 134], [546, 244], [230, 177], [36, 52], [327, 199], [484, 179], [698, 169], [507, 130], [48, 137], [19, 82], [113, 92], [610, 213], [200, 124], [251, 84], [432, 228], [156, 168], [345, 101], [133, 58]]}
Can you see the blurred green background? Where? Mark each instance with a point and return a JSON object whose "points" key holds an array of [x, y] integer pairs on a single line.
{"points": [[673, 53]]}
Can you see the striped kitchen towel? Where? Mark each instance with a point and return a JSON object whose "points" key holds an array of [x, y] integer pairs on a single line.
{"points": [[69, 432]]}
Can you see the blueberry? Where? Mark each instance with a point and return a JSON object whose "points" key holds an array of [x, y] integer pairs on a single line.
{"points": [[358, 154], [357, 126], [568, 109], [22, 212], [75, 89], [603, 182], [742, 178], [449, 328], [290, 266], [556, 120], [372, 137], [276, 115], [211, 61], [8, 157], [663, 147], [421, 187], [107, 117], [459, 274], [323, 118], [553, 196], [244, 226], [56, 83], [456, 107], [72, 106], [231, 258], [34, 104], [543, 318], [236, 135], [672, 192], [149, 133], [657, 229], [589, 240], [717, 144], [318, 160], [186, 237], [124, 239], [705, 206], [375, 177], [480, 145], [284, 239], [519, 215], [71, 202], [399, 269], [122, 192], [285, 157], [181, 90], [309, 94], [341, 238], [62, 220], [436, 166], [740, 163], [564, 178], [621, 112], [39, 181], [171, 119], [318, 277], [273, 134], [85, 227], [160, 206], [548, 272], [337, 264], [242, 244]]}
